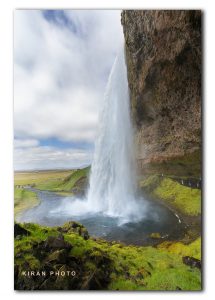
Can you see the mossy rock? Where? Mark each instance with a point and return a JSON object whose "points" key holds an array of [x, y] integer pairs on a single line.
{"points": [[58, 256], [74, 227], [103, 265], [155, 235]]}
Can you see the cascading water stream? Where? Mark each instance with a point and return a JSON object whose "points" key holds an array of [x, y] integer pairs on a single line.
{"points": [[112, 184]]}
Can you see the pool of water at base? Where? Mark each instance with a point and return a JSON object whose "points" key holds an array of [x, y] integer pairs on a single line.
{"points": [[158, 219]]}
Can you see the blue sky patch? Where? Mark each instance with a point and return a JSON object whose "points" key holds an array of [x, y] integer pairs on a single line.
{"points": [[59, 18], [54, 142]]}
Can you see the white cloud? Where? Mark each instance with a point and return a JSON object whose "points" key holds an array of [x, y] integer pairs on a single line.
{"points": [[29, 158], [25, 143], [60, 75]]}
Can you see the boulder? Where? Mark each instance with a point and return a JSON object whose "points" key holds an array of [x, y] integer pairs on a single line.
{"points": [[75, 227], [58, 256], [192, 262], [53, 243]]}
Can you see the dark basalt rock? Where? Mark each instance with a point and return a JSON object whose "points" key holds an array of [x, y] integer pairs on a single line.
{"points": [[53, 243], [75, 227], [163, 55], [192, 262], [58, 256], [19, 230], [95, 277], [54, 257]]}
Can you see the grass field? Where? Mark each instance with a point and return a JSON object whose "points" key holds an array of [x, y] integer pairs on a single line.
{"points": [[39, 177], [74, 180], [59, 181], [24, 199]]}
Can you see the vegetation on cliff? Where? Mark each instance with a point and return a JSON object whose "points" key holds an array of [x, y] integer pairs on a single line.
{"points": [[100, 264], [185, 199]]}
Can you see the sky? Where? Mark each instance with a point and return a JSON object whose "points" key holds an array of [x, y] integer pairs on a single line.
{"points": [[62, 60]]}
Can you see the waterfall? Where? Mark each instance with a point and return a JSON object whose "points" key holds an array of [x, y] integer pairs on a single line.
{"points": [[112, 186]]}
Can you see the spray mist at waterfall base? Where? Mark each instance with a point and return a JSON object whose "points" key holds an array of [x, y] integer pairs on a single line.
{"points": [[80, 209]]}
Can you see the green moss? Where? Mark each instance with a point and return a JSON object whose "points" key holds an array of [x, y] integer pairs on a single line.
{"points": [[193, 249], [185, 199], [188, 165], [90, 266], [130, 267], [38, 233], [174, 279], [155, 235], [33, 263], [150, 183], [153, 269], [124, 285]]}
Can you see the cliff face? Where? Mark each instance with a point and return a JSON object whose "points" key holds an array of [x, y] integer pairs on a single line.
{"points": [[163, 52]]}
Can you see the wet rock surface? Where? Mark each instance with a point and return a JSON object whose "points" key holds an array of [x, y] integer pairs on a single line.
{"points": [[52, 243], [192, 262], [163, 50], [19, 230]]}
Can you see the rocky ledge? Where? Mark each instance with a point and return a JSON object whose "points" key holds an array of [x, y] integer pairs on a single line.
{"points": [[163, 53]]}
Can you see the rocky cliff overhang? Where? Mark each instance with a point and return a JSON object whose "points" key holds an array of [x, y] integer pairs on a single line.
{"points": [[163, 52]]}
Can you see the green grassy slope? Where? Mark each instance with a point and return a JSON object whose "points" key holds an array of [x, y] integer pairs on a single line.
{"points": [[57, 181], [66, 184], [187, 200], [37, 177]]}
